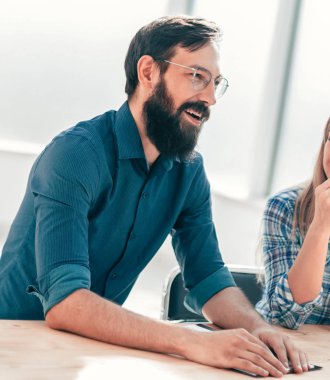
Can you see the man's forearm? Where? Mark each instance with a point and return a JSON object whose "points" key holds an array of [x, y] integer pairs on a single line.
{"points": [[89, 315], [231, 309]]}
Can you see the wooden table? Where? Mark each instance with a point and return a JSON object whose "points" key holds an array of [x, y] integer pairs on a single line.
{"points": [[29, 350]]}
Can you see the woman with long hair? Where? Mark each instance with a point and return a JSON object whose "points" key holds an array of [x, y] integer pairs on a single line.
{"points": [[296, 250]]}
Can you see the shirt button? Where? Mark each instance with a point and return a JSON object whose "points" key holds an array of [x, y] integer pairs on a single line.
{"points": [[114, 275], [145, 195], [133, 236]]}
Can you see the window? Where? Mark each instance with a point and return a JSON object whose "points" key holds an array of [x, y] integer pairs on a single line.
{"points": [[265, 132]]}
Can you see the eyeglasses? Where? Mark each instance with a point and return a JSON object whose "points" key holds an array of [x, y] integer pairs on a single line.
{"points": [[201, 78]]}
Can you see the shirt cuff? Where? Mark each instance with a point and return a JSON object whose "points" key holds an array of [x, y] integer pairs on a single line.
{"points": [[59, 284], [285, 299], [207, 288]]}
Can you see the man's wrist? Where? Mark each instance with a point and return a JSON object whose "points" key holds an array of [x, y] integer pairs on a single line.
{"points": [[257, 323], [186, 341]]}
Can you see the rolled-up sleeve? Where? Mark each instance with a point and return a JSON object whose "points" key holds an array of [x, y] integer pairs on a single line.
{"points": [[59, 283], [63, 183], [196, 247], [208, 287], [280, 251]]}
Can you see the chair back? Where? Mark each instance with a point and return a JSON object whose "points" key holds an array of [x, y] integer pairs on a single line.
{"points": [[173, 308]]}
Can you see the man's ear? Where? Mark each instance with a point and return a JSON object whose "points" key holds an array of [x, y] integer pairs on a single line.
{"points": [[148, 72]]}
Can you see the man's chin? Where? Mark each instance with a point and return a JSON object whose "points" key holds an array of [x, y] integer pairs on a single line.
{"points": [[191, 131]]}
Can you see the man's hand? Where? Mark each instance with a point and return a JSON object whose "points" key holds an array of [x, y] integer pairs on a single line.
{"points": [[283, 348], [230, 308], [235, 348]]}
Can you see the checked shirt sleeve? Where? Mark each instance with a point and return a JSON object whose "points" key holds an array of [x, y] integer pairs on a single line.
{"points": [[279, 252]]}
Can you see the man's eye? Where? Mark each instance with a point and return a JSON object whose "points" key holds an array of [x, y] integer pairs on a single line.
{"points": [[200, 77]]}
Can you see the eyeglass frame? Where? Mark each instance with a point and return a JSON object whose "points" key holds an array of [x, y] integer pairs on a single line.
{"points": [[195, 70]]}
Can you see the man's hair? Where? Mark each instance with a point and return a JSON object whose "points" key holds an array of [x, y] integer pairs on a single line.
{"points": [[160, 38]]}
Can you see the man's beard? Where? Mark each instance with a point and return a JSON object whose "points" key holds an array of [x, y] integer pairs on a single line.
{"points": [[167, 129]]}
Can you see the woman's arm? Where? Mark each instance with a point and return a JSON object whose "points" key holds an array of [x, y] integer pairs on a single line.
{"points": [[306, 274], [278, 304]]}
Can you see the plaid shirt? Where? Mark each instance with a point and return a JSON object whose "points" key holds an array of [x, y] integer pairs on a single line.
{"points": [[279, 251]]}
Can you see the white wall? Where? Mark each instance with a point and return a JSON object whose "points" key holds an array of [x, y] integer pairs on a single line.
{"points": [[61, 62], [254, 63], [308, 103], [239, 140]]}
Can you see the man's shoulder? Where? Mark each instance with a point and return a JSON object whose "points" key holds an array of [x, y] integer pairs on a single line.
{"points": [[95, 129], [93, 134]]}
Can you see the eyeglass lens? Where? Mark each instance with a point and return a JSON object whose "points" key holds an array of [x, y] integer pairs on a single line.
{"points": [[202, 78]]}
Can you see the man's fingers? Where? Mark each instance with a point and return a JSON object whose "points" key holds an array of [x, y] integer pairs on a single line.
{"points": [[304, 361], [280, 362], [253, 339], [280, 351], [250, 368], [258, 353], [267, 355], [285, 351], [265, 360], [296, 357]]}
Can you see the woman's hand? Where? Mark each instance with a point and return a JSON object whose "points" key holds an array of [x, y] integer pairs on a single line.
{"points": [[321, 219]]}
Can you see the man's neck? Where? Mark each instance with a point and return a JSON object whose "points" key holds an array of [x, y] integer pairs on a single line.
{"points": [[150, 151]]}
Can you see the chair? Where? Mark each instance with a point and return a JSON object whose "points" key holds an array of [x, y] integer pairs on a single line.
{"points": [[173, 308]]}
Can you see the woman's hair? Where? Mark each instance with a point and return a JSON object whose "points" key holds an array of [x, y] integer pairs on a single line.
{"points": [[160, 38], [305, 204]]}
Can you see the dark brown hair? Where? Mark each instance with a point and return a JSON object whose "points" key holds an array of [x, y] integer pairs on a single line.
{"points": [[160, 38]]}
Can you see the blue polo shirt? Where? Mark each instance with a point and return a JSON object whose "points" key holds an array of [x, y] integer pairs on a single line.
{"points": [[94, 215]]}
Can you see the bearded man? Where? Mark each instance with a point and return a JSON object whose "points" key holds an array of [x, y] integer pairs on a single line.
{"points": [[104, 195]]}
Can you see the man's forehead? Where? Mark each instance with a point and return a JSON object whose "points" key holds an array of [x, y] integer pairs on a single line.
{"points": [[207, 57]]}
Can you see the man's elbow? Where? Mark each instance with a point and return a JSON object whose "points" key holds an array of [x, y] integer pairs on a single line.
{"points": [[54, 317], [60, 315]]}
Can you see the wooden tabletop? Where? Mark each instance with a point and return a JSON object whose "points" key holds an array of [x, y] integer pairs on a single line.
{"points": [[31, 350]]}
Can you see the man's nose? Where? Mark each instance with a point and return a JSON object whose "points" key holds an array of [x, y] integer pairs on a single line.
{"points": [[207, 95]]}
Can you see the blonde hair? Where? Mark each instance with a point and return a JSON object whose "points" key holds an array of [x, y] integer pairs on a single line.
{"points": [[304, 207]]}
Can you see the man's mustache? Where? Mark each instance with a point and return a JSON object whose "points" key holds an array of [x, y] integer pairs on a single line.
{"points": [[199, 107]]}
